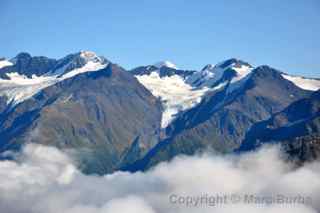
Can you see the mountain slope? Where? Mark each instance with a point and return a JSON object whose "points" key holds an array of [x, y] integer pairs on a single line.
{"points": [[301, 118], [104, 118], [224, 116]]}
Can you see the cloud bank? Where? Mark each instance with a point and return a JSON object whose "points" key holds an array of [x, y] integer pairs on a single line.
{"points": [[43, 179]]}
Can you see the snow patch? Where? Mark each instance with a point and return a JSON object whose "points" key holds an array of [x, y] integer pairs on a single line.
{"points": [[242, 72], [5, 63], [303, 83], [19, 88], [88, 67]]}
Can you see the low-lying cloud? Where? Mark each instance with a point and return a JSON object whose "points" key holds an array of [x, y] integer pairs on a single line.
{"points": [[43, 179]]}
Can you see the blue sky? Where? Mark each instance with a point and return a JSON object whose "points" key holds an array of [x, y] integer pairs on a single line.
{"points": [[282, 33]]}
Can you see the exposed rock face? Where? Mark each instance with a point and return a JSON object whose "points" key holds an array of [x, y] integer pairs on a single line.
{"points": [[163, 71], [303, 149], [27, 65]]}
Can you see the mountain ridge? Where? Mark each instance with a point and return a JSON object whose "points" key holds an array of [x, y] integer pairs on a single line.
{"points": [[116, 119]]}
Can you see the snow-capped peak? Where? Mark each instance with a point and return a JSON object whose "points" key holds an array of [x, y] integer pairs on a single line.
{"points": [[5, 63], [232, 62], [229, 70], [18, 88], [165, 64], [90, 56]]}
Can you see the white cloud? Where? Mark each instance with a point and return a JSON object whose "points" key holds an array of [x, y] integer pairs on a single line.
{"points": [[43, 179]]}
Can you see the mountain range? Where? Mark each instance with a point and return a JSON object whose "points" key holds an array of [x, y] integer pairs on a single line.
{"points": [[110, 118]]}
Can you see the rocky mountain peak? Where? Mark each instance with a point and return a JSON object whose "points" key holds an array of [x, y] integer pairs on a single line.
{"points": [[168, 64], [233, 62], [22, 57], [77, 61]]}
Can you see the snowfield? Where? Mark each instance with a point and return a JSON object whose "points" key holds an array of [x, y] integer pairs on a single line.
{"points": [[304, 83], [175, 94]]}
